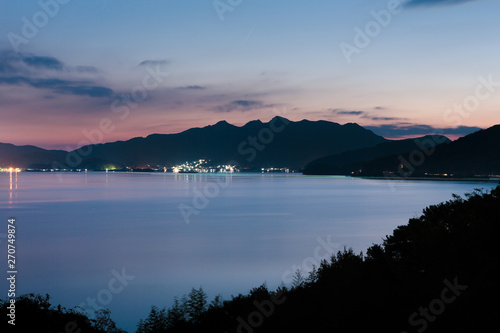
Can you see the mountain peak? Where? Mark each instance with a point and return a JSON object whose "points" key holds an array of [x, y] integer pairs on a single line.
{"points": [[253, 123], [222, 123], [280, 118]]}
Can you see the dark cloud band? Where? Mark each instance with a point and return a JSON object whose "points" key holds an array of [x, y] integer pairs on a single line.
{"points": [[31, 70], [408, 130]]}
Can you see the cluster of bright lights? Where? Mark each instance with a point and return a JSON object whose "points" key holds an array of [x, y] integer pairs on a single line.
{"points": [[11, 169], [203, 166], [286, 170]]}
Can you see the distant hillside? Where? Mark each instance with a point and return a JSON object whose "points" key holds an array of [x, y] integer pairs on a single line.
{"points": [[25, 156], [477, 154], [348, 149], [278, 143], [352, 161]]}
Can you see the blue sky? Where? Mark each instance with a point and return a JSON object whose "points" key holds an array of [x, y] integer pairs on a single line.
{"points": [[422, 67]]}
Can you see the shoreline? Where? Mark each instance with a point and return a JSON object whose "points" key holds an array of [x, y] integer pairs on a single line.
{"points": [[386, 178], [480, 179]]}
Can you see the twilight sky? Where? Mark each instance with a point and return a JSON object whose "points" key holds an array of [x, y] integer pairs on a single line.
{"points": [[74, 71]]}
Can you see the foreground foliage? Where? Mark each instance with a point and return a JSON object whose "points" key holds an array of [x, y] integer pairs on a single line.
{"points": [[35, 313], [436, 274]]}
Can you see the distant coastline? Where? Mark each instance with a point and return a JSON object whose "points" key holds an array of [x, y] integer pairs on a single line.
{"points": [[260, 172]]}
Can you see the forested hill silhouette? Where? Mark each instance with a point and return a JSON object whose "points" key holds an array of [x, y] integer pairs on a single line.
{"points": [[352, 161], [277, 143], [321, 147], [474, 155], [25, 156], [438, 273]]}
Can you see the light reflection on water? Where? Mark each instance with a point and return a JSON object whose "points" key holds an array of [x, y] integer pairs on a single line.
{"points": [[250, 229]]}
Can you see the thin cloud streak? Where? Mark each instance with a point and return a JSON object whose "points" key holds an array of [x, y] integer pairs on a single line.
{"points": [[153, 63], [242, 106], [364, 115], [193, 87], [421, 3]]}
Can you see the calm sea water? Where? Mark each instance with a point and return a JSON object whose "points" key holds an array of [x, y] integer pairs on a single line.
{"points": [[129, 241]]}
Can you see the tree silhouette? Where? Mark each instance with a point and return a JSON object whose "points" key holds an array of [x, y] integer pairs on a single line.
{"points": [[155, 322], [298, 279], [196, 304]]}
